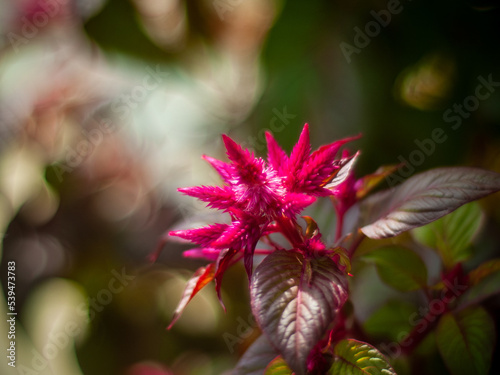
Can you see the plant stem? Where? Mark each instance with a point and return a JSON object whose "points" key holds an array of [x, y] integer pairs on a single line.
{"points": [[339, 225], [360, 236]]}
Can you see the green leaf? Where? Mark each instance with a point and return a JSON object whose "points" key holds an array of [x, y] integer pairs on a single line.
{"points": [[452, 234], [465, 341], [295, 299], [390, 321], [424, 198], [399, 267], [354, 357], [278, 366], [256, 358]]}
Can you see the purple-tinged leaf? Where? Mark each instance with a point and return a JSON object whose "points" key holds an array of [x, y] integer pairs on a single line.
{"points": [[278, 366], [346, 168], [466, 340], [294, 300], [256, 358], [399, 267], [424, 198], [354, 357], [201, 277]]}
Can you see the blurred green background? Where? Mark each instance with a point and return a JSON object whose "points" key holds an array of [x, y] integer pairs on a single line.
{"points": [[107, 106]]}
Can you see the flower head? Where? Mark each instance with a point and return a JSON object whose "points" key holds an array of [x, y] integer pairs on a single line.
{"points": [[261, 197]]}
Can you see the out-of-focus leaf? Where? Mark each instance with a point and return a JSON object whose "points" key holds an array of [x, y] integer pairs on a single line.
{"points": [[369, 182], [452, 235], [485, 288], [390, 320], [256, 358], [294, 300], [399, 267], [201, 277], [465, 341], [278, 366], [424, 198], [484, 270], [354, 357]]}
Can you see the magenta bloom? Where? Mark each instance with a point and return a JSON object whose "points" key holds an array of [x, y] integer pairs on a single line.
{"points": [[261, 197]]}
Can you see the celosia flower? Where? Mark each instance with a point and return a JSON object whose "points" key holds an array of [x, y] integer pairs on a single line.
{"points": [[261, 197]]}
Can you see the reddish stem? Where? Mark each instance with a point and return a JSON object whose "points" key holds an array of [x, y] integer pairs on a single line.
{"points": [[456, 283]]}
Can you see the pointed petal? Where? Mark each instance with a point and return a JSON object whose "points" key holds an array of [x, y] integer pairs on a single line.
{"points": [[319, 169], [300, 151], [201, 278], [276, 157], [316, 171], [217, 197], [294, 203], [231, 237], [338, 144], [224, 169], [235, 153], [203, 236], [208, 253]]}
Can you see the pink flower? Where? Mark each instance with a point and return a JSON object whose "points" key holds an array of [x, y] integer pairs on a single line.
{"points": [[261, 197]]}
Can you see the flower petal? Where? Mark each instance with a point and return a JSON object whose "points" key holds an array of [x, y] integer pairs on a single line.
{"points": [[276, 157], [217, 197], [203, 236], [300, 152]]}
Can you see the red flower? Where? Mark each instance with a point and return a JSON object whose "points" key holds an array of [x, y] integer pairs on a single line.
{"points": [[261, 197]]}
